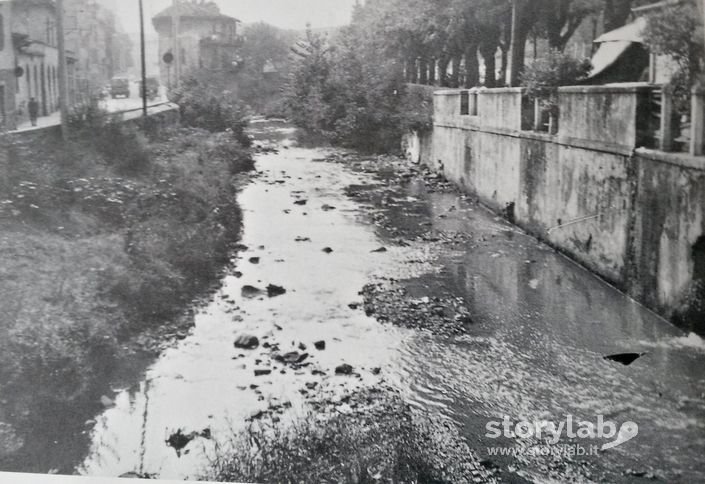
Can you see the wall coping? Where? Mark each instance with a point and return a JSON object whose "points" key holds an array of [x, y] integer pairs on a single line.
{"points": [[566, 141], [502, 90], [682, 160], [448, 92], [621, 88], [626, 88], [480, 90]]}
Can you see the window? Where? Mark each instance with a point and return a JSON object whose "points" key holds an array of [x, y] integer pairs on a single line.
{"points": [[464, 103], [2, 105]]}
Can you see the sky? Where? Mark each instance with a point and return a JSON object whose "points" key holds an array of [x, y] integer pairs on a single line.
{"points": [[289, 14]]}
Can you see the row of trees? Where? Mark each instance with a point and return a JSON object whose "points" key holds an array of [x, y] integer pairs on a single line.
{"points": [[444, 33], [353, 87]]}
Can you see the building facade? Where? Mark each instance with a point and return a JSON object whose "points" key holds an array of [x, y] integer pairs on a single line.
{"points": [[33, 24], [206, 39], [8, 79], [99, 46]]}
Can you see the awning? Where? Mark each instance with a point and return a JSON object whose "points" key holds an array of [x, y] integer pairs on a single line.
{"points": [[633, 32], [614, 43], [606, 55]]}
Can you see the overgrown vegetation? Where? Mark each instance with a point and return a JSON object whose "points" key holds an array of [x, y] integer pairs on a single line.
{"points": [[207, 101], [346, 93], [556, 69], [266, 64], [461, 37], [676, 31], [104, 237], [381, 440]]}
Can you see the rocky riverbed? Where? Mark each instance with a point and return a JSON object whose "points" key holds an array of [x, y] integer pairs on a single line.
{"points": [[369, 308]]}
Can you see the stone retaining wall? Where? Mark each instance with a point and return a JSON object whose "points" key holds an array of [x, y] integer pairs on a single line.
{"points": [[634, 216]]}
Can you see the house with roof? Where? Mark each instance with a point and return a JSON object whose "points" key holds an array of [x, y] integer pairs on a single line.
{"points": [[33, 24], [623, 55], [101, 48], [196, 35]]}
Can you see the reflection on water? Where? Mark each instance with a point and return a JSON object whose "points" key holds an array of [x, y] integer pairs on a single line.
{"points": [[541, 327], [204, 383]]}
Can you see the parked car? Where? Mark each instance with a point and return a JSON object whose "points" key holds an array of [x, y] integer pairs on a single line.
{"points": [[152, 88], [119, 87]]}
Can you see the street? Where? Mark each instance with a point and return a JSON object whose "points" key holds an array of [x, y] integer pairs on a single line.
{"points": [[132, 104]]}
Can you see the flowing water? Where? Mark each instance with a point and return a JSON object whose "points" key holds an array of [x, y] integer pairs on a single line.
{"points": [[541, 326]]}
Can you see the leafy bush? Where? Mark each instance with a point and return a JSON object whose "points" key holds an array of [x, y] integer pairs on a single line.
{"points": [[124, 147], [676, 31], [121, 144], [417, 108], [265, 67], [208, 105], [348, 94], [542, 76], [83, 117]]}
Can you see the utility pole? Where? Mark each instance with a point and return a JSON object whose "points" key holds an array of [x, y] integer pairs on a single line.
{"points": [[702, 15], [512, 74], [63, 70], [175, 19], [143, 50]]}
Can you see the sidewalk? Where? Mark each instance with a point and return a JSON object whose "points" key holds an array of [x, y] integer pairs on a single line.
{"points": [[131, 107]]}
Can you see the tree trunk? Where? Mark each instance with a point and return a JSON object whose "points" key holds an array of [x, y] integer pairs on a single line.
{"points": [[472, 67], [443, 68], [455, 78], [555, 41], [504, 66], [413, 70], [520, 55], [432, 72], [423, 75], [526, 21], [488, 55], [616, 13]]}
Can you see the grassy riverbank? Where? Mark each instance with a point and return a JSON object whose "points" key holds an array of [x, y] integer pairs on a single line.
{"points": [[370, 436], [102, 238]]}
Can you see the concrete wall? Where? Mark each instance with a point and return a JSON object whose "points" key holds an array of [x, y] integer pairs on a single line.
{"points": [[418, 147], [668, 222], [631, 216]]}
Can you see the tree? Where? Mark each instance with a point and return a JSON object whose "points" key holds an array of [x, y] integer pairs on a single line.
{"points": [[305, 92], [676, 31], [265, 65], [559, 19], [617, 12]]}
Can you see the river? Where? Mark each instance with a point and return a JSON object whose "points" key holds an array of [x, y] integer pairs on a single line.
{"points": [[540, 328]]}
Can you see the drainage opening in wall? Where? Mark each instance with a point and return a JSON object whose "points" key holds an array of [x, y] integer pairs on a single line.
{"points": [[691, 316], [508, 212]]}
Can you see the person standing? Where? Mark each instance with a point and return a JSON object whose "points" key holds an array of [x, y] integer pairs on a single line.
{"points": [[33, 111]]}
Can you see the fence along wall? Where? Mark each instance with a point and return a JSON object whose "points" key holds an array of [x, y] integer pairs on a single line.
{"points": [[633, 216]]}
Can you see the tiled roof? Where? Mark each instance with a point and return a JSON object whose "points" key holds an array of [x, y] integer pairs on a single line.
{"points": [[194, 8]]}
